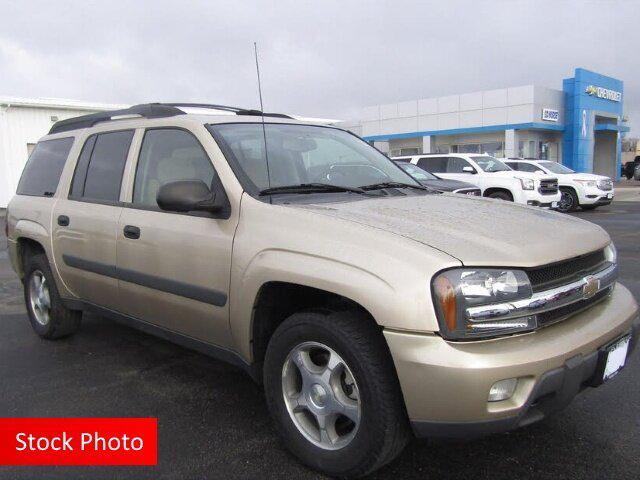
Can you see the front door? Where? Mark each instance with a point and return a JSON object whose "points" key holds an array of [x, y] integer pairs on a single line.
{"points": [[174, 268], [85, 223]]}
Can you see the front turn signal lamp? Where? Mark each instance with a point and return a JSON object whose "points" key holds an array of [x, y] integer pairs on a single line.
{"points": [[456, 290]]}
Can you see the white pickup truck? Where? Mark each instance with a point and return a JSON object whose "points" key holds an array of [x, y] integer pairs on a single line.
{"points": [[492, 176]]}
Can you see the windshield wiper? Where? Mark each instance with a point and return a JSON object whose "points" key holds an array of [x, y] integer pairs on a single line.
{"points": [[312, 188], [377, 186]]}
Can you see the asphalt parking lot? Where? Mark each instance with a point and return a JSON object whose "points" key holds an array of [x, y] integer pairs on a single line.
{"points": [[213, 421]]}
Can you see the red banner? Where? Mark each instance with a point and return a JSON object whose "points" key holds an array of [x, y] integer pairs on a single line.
{"points": [[78, 441]]}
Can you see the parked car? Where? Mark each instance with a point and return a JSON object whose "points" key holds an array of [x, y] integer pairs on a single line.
{"points": [[429, 180], [493, 177], [584, 190], [363, 306], [628, 169], [636, 172]]}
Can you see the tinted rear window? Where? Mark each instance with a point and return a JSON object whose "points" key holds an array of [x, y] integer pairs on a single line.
{"points": [[433, 164], [42, 172], [99, 171]]}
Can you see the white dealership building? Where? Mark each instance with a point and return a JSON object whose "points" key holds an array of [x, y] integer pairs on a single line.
{"points": [[579, 125], [22, 122]]}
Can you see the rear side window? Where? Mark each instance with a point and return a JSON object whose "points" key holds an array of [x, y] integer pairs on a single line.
{"points": [[514, 165], [433, 164], [43, 169], [526, 167], [100, 167]]}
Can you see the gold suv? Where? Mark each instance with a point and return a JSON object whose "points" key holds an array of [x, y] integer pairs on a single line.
{"points": [[372, 308]]}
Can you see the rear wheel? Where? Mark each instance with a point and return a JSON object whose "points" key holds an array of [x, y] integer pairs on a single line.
{"points": [[333, 392], [48, 316], [568, 200]]}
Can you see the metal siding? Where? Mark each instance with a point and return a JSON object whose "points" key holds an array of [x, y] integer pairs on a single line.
{"points": [[19, 126]]}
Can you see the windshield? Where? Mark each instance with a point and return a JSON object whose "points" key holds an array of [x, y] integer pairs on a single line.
{"points": [[555, 167], [416, 172], [304, 154], [490, 164]]}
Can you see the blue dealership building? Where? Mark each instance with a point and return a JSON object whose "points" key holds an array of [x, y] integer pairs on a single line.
{"points": [[580, 126]]}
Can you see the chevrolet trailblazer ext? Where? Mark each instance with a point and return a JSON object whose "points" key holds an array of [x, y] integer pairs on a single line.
{"points": [[371, 308]]}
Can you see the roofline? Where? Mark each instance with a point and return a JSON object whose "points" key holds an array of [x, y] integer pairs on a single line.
{"points": [[459, 131], [58, 103]]}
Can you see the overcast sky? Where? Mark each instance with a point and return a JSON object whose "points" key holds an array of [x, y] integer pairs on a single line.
{"points": [[320, 58]]}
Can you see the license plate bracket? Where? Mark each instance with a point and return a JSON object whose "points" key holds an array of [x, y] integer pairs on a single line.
{"points": [[611, 359]]}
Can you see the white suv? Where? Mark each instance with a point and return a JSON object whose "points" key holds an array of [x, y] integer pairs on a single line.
{"points": [[584, 190], [492, 176]]}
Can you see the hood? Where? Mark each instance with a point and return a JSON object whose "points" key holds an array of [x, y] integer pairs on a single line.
{"points": [[519, 174], [585, 176], [476, 231], [447, 185]]}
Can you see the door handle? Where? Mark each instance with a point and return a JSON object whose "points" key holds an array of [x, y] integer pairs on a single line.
{"points": [[63, 221], [131, 232]]}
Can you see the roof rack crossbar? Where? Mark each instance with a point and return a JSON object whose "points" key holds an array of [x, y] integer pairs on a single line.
{"points": [[149, 110]]}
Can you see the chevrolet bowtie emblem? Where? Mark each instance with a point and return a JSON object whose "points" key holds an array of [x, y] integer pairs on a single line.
{"points": [[591, 286]]}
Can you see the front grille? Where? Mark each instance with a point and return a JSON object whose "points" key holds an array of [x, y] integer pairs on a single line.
{"points": [[552, 316], [548, 187], [567, 271]]}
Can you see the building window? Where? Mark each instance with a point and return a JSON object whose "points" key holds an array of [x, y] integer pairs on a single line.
{"points": [[495, 149], [442, 149], [409, 151]]}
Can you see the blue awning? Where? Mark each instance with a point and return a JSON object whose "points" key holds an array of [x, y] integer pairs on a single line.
{"points": [[611, 127]]}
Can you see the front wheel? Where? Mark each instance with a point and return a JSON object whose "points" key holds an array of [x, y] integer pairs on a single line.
{"points": [[332, 390], [568, 201], [501, 196]]}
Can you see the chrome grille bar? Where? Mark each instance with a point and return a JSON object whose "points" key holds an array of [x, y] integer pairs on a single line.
{"points": [[540, 302]]}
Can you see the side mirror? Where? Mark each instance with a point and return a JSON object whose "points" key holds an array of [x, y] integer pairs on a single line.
{"points": [[468, 169], [188, 196]]}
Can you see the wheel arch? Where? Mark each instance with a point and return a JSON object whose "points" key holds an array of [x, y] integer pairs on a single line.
{"points": [[491, 190], [26, 246], [277, 300]]}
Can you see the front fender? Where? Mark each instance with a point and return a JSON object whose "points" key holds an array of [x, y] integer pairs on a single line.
{"points": [[370, 291]]}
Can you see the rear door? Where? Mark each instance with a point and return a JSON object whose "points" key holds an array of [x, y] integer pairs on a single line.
{"points": [[175, 268], [85, 223]]}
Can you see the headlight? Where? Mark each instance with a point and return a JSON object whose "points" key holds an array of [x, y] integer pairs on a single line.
{"points": [[456, 290], [527, 183], [588, 183], [610, 253], [604, 184]]}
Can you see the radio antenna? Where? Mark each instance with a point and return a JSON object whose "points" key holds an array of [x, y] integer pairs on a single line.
{"points": [[264, 130]]}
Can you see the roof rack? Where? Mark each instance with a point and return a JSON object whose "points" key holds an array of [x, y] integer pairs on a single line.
{"points": [[149, 110]]}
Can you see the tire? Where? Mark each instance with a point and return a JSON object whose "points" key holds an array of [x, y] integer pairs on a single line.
{"points": [[568, 200], [48, 316], [382, 429], [589, 207], [501, 196]]}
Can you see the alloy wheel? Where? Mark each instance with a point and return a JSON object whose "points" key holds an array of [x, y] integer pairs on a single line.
{"points": [[566, 202], [39, 297], [321, 395]]}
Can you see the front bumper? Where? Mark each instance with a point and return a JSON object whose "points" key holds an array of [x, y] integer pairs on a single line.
{"points": [[595, 196], [446, 384], [536, 199]]}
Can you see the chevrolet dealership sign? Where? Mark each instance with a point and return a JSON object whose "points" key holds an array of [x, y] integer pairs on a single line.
{"points": [[604, 93]]}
